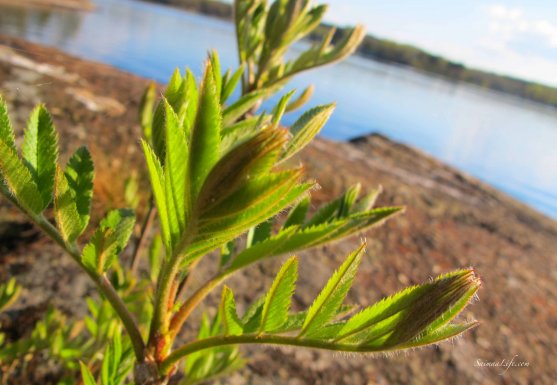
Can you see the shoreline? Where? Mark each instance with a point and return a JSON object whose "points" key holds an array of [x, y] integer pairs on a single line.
{"points": [[71, 5], [392, 52], [452, 220]]}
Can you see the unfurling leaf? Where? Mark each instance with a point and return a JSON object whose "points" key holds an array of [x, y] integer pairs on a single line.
{"points": [[205, 137], [416, 312], [301, 100]]}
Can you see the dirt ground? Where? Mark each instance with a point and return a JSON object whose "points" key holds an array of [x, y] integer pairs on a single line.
{"points": [[452, 220]]}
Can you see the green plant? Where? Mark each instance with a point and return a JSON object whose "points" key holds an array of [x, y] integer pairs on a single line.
{"points": [[220, 173]]}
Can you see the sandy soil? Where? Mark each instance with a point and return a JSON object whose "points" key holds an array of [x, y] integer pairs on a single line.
{"points": [[452, 220]]}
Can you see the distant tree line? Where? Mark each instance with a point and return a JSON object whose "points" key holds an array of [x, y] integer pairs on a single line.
{"points": [[391, 52]]}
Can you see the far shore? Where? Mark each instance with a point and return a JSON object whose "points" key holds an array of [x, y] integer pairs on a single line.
{"points": [[75, 5]]}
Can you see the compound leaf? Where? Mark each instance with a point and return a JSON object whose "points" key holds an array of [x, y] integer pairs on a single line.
{"points": [[331, 297], [109, 240]]}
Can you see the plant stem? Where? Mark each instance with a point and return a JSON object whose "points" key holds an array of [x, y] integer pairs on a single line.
{"points": [[146, 225], [191, 303], [103, 284], [254, 338], [159, 323]]}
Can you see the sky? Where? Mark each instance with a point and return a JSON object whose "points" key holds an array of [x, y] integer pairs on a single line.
{"points": [[514, 37]]}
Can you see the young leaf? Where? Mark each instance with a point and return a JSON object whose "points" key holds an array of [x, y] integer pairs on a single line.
{"points": [[301, 100], [156, 176], [9, 292], [192, 101], [331, 297], [279, 297], [262, 249], [6, 130], [40, 151], [174, 94], [80, 173], [18, 180], [367, 202], [256, 156], [109, 240], [306, 128], [230, 85], [86, 375], [438, 335], [279, 109], [215, 66], [205, 141], [241, 106], [297, 214], [231, 323], [415, 310], [175, 172], [146, 106], [67, 217]]}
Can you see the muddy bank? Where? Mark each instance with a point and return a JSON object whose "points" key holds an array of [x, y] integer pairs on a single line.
{"points": [[452, 220]]}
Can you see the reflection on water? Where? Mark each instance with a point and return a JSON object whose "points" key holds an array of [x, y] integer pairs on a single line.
{"points": [[505, 141]]}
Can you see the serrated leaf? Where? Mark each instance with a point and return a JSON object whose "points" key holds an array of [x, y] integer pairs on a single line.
{"points": [[146, 107], [294, 238], [231, 323], [306, 128], [174, 94], [230, 85], [297, 214], [259, 233], [278, 299], [262, 249], [214, 234], [80, 173], [280, 108], [18, 180], [109, 240], [6, 130], [205, 140], [331, 297], [156, 176], [215, 66], [175, 174], [241, 106], [68, 220]]}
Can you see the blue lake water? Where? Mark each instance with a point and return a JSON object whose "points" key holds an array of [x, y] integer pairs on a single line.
{"points": [[505, 141]]}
